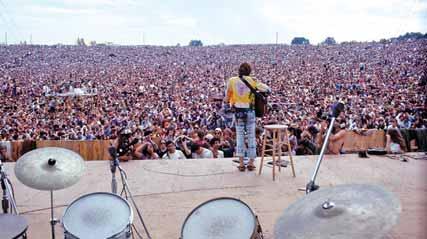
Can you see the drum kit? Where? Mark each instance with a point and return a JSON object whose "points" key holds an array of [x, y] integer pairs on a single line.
{"points": [[345, 211], [89, 216]]}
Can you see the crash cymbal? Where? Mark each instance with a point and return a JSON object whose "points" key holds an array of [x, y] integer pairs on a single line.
{"points": [[346, 211], [49, 168]]}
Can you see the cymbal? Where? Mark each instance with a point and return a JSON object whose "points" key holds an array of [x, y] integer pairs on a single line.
{"points": [[49, 168], [346, 211]]}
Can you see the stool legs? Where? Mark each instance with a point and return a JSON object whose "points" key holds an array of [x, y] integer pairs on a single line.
{"points": [[264, 142], [290, 153], [274, 154], [280, 143]]}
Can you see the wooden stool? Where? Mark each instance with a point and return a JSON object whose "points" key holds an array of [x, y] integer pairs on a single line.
{"points": [[277, 142]]}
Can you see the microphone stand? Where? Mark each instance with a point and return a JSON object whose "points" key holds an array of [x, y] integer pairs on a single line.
{"points": [[8, 198], [114, 165], [311, 185]]}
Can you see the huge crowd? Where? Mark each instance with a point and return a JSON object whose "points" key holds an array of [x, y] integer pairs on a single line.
{"points": [[170, 94]]}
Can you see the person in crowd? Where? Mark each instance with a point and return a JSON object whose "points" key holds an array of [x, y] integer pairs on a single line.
{"points": [[45, 95], [240, 97], [146, 151], [215, 148], [394, 141], [162, 149], [124, 146], [173, 153], [336, 139], [200, 152]]}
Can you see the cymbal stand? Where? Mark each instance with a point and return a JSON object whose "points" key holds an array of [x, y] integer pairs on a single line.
{"points": [[8, 199], [127, 192], [53, 220]]}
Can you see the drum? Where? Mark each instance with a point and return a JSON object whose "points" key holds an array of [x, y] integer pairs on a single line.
{"points": [[13, 226], [225, 218], [98, 215]]}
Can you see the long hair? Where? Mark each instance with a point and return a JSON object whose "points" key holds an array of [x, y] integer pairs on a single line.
{"points": [[396, 137], [244, 69]]}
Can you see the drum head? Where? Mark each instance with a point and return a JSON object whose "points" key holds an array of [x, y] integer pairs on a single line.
{"points": [[12, 226], [225, 218], [97, 215]]}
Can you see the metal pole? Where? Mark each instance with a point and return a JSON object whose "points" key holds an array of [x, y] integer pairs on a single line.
{"points": [[12, 202], [113, 179], [5, 38], [311, 186], [52, 219]]}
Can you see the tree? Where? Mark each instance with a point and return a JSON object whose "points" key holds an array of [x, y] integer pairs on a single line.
{"points": [[93, 43], [81, 42], [300, 41], [195, 43], [329, 41]]}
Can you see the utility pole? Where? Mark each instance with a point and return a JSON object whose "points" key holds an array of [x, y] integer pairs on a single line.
{"points": [[277, 38]]}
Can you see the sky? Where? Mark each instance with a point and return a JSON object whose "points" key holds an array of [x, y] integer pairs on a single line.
{"points": [[169, 22]]}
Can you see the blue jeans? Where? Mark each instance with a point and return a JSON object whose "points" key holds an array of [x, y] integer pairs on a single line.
{"points": [[245, 126]]}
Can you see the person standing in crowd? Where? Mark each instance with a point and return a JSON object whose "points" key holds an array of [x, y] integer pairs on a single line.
{"points": [[242, 100]]}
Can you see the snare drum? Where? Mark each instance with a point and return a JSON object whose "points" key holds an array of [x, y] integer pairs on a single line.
{"points": [[226, 218], [98, 215]]}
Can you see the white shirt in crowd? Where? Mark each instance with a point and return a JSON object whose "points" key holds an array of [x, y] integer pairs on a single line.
{"points": [[178, 154], [206, 154]]}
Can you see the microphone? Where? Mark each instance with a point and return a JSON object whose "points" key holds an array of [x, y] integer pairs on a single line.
{"points": [[114, 162], [337, 108]]}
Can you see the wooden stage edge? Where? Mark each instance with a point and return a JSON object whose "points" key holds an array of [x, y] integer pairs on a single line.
{"points": [[166, 191]]}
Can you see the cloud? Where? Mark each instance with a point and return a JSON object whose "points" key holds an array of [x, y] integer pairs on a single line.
{"points": [[345, 20], [62, 11], [177, 21]]}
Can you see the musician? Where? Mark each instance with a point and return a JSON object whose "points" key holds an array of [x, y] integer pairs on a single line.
{"points": [[241, 99]]}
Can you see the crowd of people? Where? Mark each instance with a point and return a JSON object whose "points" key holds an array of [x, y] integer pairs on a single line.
{"points": [[170, 95]]}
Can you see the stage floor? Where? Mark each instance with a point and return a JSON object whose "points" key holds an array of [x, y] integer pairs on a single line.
{"points": [[167, 191]]}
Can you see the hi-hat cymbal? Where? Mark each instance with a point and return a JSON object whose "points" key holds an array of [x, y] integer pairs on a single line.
{"points": [[346, 211], [49, 168]]}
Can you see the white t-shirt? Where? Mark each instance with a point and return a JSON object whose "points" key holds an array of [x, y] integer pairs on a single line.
{"points": [[174, 156], [206, 154]]}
